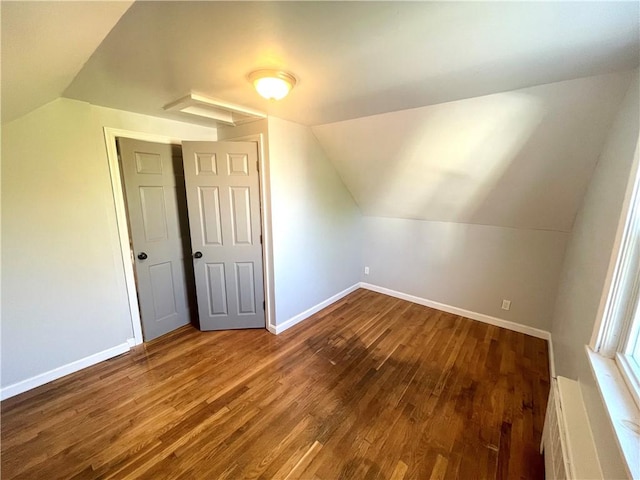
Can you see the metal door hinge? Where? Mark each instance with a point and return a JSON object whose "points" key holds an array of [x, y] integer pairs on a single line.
{"points": [[260, 239], [264, 305]]}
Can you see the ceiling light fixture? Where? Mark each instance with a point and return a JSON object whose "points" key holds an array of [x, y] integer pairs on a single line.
{"points": [[272, 84]]}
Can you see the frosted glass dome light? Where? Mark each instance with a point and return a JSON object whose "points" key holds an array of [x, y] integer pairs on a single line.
{"points": [[272, 84]]}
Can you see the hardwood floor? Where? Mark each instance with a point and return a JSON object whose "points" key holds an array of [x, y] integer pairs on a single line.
{"points": [[372, 387]]}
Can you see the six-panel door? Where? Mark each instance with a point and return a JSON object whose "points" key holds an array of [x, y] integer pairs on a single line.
{"points": [[223, 200], [154, 189]]}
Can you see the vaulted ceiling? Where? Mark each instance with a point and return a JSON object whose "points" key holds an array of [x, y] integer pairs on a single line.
{"points": [[519, 159], [352, 59], [429, 110], [44, 46]]}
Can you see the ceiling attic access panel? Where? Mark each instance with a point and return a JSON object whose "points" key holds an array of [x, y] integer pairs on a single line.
{"points": [[217, 111]]}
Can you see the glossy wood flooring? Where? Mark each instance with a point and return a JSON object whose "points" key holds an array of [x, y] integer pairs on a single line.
{"points": [[372, 387]]}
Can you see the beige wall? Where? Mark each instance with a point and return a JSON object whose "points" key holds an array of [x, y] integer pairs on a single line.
{"points": [[316, 223], [517, 159], [473, 267], [63, 289], [315, 226], [585, 268], [470, 202], [63, 283]]}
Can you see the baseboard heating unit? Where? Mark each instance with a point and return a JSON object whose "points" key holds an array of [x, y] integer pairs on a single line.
{"points": [[567, 442]]}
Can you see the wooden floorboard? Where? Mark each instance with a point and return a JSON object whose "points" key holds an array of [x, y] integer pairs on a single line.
{"points": [[370, 388]]}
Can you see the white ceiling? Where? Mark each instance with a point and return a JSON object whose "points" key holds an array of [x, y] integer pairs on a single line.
{"points": [[352, 59], [44, 46], [521, 158]]}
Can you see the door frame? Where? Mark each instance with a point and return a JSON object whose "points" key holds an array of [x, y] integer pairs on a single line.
{"points": [[110, 135]]}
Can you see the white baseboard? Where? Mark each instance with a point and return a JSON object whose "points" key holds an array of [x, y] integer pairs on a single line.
{"points": [[132, 342], [276, 329], [46, 377], [41, 379], [481, 317]]}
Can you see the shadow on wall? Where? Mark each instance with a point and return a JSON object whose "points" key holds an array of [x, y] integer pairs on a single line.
{"points": [[452, 158], [519, 159]]}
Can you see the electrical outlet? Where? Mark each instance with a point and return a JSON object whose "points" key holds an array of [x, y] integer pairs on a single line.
{"points": [[506, 304], [366, 270]]}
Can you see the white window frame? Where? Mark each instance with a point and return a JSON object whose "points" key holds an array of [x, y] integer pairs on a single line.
{"points": [[628, 354], [616, 335], [617, 329]]}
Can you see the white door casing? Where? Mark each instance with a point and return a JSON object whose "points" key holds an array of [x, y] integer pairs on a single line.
{"points": [[223, 197]]}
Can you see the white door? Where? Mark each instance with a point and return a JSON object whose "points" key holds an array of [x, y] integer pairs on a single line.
{"points": [[224, 217], [155, 197]]}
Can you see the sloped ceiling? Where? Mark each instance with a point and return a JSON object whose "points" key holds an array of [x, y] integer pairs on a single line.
{"points": [[44, 46], [519, 159], [352, 59]]}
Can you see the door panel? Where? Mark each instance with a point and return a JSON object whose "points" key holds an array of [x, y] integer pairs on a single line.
{"points": [[245, 288], [224, 216], [216, 289], [210, 208], [162, 286], [156, 205], [241, 215], [154, 214]]}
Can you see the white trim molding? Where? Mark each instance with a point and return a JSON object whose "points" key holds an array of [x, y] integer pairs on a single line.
{"points": [[59, 372], [64, 370], [622, 410], [481, 317], [552, 358], [276, 329], [611, 352], [265, 217], [567, 440], [110, 135], [620, 283]]}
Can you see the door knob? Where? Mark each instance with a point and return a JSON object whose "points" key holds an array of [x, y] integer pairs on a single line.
{"points": [[142, 256], [197, 255]]}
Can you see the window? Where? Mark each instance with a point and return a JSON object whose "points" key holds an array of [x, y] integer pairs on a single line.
{"points": [[628, 355], [618, 334], [615, 346]]}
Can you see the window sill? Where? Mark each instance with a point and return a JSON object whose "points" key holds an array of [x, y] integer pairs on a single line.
{"points": [[629, 370], [621, 407]]}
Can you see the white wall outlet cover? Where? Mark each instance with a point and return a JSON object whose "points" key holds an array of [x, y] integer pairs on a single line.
{"points": [[366, 270], [506, 304]]}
